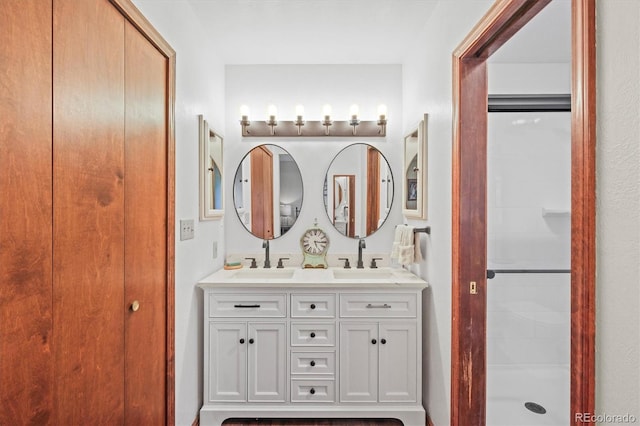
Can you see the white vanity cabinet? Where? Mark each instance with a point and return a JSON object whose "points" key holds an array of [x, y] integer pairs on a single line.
{"points": [[295, 349]]}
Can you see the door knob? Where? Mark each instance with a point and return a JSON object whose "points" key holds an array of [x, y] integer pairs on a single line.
{"points": [[135, 305]]}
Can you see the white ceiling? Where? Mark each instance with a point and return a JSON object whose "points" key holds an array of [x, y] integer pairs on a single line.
{"points": [[546, 38], [313, 31], [354, 31]]}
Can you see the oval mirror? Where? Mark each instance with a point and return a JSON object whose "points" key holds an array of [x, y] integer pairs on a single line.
{"points": [[358, 190], [267, 191]]}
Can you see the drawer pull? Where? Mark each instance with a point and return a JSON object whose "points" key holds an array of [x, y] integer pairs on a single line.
{"points": [[313, 306], [312, 334], [251, 341], [312, 391], [385, 306], [246, 306], [312, 363], [383, 341], [374, 341], [242, 341]]}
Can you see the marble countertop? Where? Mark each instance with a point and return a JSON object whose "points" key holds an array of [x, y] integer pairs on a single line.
{"points": [[384, 277]]}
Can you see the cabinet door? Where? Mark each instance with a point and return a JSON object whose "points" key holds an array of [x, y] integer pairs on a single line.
{"points": [[267, 361], [227, 380], [398, 362], [358, 362]]}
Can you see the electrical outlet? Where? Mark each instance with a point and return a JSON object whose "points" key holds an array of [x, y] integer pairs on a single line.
{"points": [[187, 230], [215, 249]]}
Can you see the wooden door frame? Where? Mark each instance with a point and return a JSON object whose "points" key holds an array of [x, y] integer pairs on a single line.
{"points": [[135, 17], [351, 218], [468, 334], [262, 224], [373, 190]]}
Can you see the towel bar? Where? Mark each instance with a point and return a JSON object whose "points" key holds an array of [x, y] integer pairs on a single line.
{"points": [[426, 229]]}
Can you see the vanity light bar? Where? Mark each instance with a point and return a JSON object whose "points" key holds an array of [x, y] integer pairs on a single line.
{"points": [[354, 127]]}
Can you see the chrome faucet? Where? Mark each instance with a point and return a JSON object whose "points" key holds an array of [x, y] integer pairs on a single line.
{"points": [[265, 246], [361, 245]]}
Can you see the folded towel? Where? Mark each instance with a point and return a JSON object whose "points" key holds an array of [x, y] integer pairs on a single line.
{"points": [[403, 248]]}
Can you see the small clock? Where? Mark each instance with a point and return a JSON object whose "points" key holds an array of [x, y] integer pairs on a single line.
{"points": [[314, 244]]}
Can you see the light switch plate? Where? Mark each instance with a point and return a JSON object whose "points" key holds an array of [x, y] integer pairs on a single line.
{"points": [[187, 231]]}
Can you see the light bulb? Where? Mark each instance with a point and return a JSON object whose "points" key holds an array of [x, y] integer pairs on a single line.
{"points": [[326, 111], [382, 111], [353, 111], [244, 112], [272, 112], [299, 111]]}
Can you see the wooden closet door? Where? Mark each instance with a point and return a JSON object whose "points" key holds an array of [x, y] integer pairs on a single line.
{"points": [[26, 365], [88, 212], [145, 230]]}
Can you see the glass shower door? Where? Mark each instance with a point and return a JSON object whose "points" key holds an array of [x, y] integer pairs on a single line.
{"points": [[528, 265]]}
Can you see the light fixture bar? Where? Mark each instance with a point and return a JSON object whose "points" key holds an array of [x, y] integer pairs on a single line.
{"points": [[315, 129]]}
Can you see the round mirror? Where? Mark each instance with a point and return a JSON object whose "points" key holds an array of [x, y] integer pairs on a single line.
{"points": [[267, 191], [358, 190]]}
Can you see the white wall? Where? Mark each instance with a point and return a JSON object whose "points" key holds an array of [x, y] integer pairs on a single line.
{"points": [[618, 208], [199, 90], [427, 87], [312, 86]]}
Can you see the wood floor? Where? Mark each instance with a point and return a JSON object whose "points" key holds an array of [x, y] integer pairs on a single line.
{"points": [[312, 422]]}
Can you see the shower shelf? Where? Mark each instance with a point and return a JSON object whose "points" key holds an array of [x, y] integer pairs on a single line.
{"points": [[555, 212]]}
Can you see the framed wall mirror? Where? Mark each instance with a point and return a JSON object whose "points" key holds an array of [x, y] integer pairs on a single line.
{"points": [[267, 191], [359, 187], [211, 185], [414, 182]]}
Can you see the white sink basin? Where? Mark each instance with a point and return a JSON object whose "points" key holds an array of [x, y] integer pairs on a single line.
{"points": [[361, 274], [245, 274]]}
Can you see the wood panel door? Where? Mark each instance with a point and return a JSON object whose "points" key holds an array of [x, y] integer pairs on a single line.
{"points": [[111, 198], [262, 193], [145, 230], [26, 365], [88, 212]]}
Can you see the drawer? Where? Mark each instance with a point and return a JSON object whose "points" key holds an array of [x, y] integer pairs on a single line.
{"points": [[313, 390], [378, 305], [313, 306], [247, 305], [313, 334], [313, 363]]}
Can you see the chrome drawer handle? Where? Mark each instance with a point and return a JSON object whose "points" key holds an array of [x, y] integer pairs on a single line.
{"points": [[246, 306], [385, 306]]}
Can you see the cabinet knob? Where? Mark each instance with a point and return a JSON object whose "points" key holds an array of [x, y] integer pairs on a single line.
{"points": [[242, 341], [312, 391], [313, 306], [135, 305], [312, 363], [312, 334], [383, 341], [251, 341], [374, 341]]}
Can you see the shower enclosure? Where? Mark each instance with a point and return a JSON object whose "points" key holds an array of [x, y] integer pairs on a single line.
{"points": [[528, 261]]}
